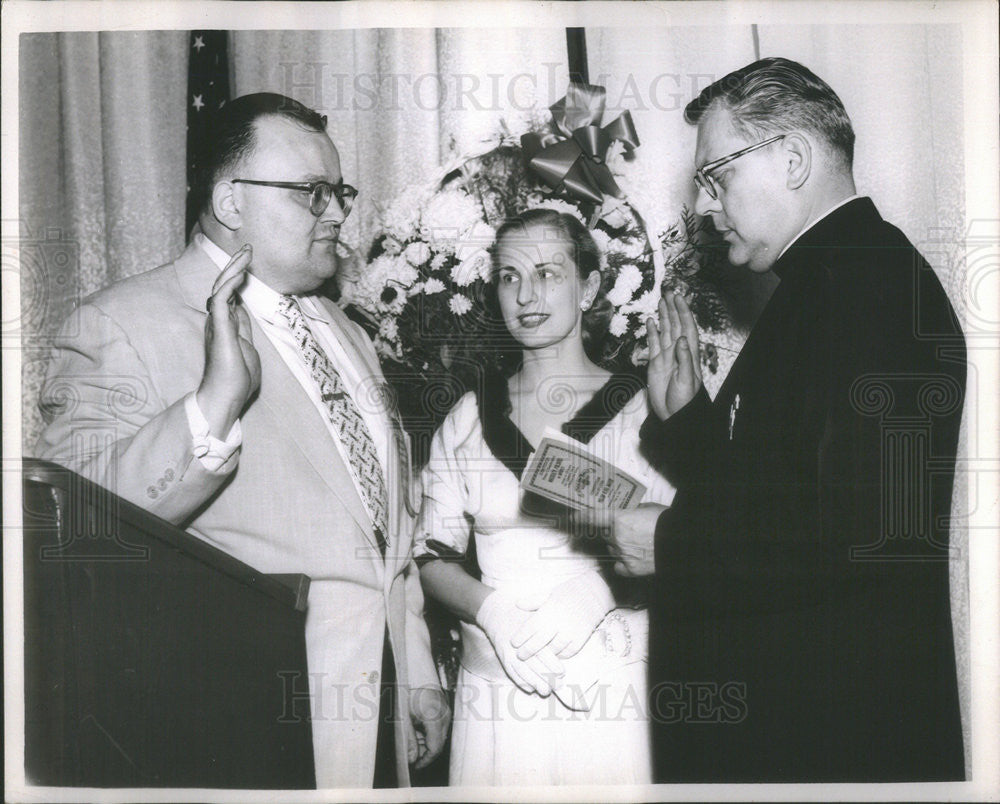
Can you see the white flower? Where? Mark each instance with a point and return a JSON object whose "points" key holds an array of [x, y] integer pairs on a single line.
{"points": [[382, 287], [432, 286], [614, 212], [616, 245], [558, 205], [618, 325], [627, 283], [417, 253], [481, 235], [646, 305], [391, 246], [459, 304], [389, 329], [447, 215], [602, 241], [601, 238], [634, 247], [475, 266], [438, 262], [389, 349], [400, 218]]}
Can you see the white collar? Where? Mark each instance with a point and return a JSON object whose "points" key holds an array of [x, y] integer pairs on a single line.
{"points": [[260, 297], [816, 220]]}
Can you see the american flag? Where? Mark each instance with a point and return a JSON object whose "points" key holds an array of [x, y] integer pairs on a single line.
{"points": [[208, 91]]}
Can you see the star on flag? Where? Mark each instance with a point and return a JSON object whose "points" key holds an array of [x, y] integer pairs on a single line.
{"points": [[207, 92]]}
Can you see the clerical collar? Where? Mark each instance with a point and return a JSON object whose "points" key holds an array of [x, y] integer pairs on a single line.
{"points": [[812, 223]]}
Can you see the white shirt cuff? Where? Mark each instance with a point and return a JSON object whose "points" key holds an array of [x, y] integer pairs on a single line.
{"points": [[216, 456]]}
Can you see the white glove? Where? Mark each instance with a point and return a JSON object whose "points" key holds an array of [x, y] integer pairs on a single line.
{"points": [[567, 617], [499, 616]]}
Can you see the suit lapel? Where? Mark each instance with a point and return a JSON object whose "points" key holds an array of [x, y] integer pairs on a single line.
{"points": [[294, 414], [397, 484], [288, 406]]}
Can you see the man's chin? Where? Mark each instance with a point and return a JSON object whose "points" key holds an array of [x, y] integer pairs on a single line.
{"points": [[737, 256], [757, 263]]}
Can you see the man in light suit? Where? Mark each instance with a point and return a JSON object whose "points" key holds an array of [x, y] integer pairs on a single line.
{"points": [[237, 404]]}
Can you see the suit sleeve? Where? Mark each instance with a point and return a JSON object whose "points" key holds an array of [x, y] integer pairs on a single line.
{"points": [[420, 660], [682, 446], [421, 666], [779, 521], [106, 421]]}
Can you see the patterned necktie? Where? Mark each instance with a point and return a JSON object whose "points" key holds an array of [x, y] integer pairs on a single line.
{"points": [[346, 419]]}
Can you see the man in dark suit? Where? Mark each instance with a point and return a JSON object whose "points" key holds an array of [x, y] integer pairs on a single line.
{"points": [[800, 618]]}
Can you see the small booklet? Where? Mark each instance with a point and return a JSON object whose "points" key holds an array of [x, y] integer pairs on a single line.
{"points": [[565, 471]]}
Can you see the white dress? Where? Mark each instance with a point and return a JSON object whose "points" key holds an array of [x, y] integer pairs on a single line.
{"points": [[502, 735]]}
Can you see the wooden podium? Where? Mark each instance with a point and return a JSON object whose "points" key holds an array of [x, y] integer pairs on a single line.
{"points": [[152, 659]]}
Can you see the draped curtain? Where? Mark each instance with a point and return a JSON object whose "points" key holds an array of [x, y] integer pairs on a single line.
{"points": [[102, 135], [101, 165], [400, 102]]}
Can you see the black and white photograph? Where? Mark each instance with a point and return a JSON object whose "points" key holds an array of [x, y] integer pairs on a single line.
{"points": [[502, 401]]}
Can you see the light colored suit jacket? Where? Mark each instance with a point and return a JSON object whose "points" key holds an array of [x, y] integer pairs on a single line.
{"points": [[114, 400]]}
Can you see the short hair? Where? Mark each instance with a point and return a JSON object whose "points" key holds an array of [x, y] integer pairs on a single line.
{"points": [[586, 255], [775, 95], [232, 138]]}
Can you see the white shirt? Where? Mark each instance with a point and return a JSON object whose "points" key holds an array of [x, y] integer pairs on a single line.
{"points": [[812, 223], [261, 301]]}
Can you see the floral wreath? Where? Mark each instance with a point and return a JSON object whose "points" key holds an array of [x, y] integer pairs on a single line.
{"points": [[422, 294]]}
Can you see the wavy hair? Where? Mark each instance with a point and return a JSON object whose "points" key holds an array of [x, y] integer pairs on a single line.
{"points": [[776, 95], [586, 255]]}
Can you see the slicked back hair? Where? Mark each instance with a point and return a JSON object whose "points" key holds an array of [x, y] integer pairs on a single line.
{"points": [[776, 95], [234, 137]]}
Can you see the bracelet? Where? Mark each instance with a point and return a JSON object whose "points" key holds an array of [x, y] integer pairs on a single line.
{"points": [[608, 643]]}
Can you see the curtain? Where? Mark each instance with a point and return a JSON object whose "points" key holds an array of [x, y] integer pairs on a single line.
{"points": [[102, 141], [103, 115], [401, 102]]}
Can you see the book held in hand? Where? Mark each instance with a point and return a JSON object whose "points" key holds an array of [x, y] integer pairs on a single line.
{"points": [[565, 471]]}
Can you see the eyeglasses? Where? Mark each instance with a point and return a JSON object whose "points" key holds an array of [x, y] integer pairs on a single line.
{"points": [[707, 182], [320, 193]]}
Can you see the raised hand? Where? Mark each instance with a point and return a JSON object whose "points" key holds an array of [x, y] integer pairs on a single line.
{"points": [[232, 365], [674, 367]]}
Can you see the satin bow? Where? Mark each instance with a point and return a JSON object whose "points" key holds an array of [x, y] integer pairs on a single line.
{"points": [[571, 159]]}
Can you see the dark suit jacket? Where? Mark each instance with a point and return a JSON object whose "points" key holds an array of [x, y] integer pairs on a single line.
{"points": [[800, 624]]}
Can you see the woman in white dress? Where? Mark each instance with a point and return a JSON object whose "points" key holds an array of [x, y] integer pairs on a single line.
{"points": [[552, 685]]}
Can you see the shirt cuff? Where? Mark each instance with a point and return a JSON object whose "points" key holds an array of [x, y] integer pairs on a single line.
{"points": [[216, 456]]}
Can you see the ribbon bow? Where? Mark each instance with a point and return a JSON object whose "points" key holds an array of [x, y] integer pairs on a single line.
{"points": [[571, 159]]}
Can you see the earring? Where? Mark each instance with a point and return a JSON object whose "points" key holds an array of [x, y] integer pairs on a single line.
{"points": [[585, 304]]}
